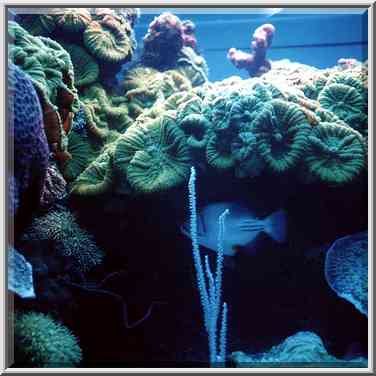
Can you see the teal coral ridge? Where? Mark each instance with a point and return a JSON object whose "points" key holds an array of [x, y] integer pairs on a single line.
{"points": [[40, 341]]}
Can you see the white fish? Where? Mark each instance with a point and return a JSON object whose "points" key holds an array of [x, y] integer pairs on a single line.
{"points": [[241, 226]]}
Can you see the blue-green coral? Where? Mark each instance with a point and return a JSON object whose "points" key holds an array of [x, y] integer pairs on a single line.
{"points": [[40, 341], [346, 269]]}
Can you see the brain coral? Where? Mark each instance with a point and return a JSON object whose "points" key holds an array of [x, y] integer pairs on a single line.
{"points": [[335, 153], [74, 20], [154, 157], [281, 129], [40, 341], [27, 140], [108, 42], [345, 102], [346, 269], [70, 240]]}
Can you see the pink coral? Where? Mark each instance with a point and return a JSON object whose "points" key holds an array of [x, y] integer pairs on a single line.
{"points": [[189, 38], [255, 63]]}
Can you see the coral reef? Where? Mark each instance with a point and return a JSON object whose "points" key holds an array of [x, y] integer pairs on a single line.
{"points": [[255, 63], [335, 153], [346, 269], [54, 187], [27, 144], [189, 38], [40, 341], [61, 227], [303, 349]]}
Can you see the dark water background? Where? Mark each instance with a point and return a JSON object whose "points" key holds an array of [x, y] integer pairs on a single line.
{"points": [[272, 294]]}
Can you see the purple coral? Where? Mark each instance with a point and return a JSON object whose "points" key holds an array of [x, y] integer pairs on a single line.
{"points": [[28, 147]]}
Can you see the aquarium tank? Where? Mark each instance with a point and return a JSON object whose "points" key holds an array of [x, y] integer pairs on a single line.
{"points": [[187, 187]]}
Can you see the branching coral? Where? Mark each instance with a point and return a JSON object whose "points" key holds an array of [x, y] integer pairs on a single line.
{"points": [[335, 153], [346, 269], [86, 70], [255, 63], [40, 341], [154, 157], [70, 240], [281, 129]]}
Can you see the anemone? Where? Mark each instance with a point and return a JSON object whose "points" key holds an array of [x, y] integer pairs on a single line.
{"points": [[86, 70], [153, 157], [72, 20], [107, 43], [345, 102], [98, 177], [281, 129], [335, 153], [40, 341], [61, 227]]}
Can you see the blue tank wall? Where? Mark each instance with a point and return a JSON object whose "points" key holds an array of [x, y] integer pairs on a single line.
{"points": [[344, 34]]}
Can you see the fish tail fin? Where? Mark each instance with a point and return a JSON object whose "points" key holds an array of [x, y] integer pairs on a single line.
{"points": [[275, 226]]}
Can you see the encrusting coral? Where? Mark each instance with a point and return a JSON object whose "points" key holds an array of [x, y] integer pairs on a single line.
{"points": [[40, 341], [69, 239], [335, 153]]}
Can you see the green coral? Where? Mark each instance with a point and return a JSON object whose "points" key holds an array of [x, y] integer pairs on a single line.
{"points": [[153, 157], [69, 238], [345, 102], [335, 153], [281, 129], [98, 177], [218, 151], [196, 127], [72, 20], [38, 24], [40, 341], [107, 42], [86, 70]]}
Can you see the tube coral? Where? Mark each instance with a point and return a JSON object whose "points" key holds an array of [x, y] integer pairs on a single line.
{"points": [[154, 157], [335, 153], [282, 130], [40, 341], [255, 63]]}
